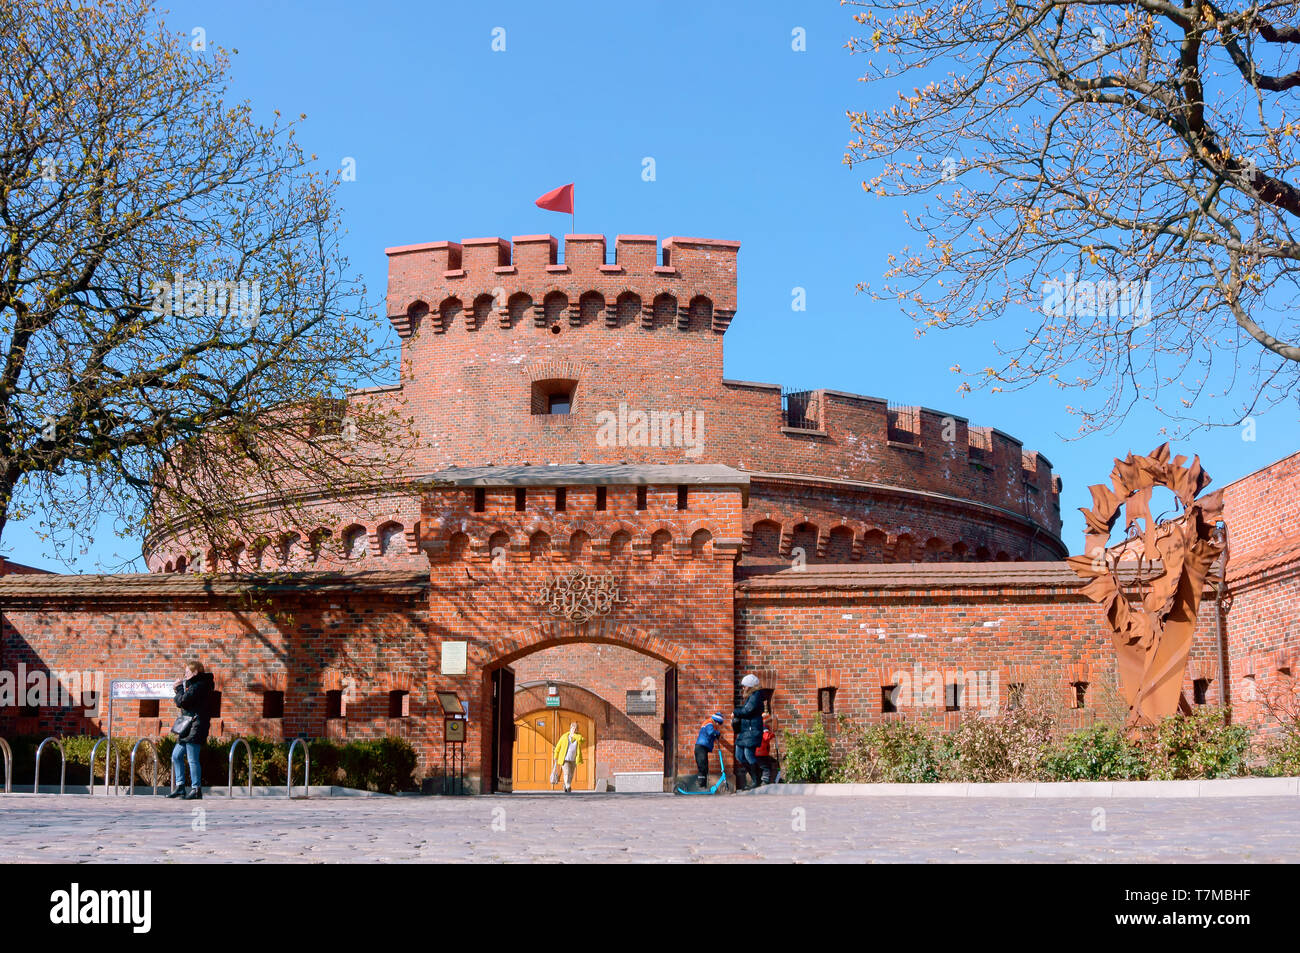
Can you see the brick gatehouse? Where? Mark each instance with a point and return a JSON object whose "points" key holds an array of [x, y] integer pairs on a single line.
{"points": [[574, 431]]}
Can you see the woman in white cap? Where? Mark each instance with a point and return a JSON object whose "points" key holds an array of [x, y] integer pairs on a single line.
{"points": [[748, 719]]}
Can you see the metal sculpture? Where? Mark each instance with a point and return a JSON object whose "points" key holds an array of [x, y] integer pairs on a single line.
{"points": [[1151, 584]]}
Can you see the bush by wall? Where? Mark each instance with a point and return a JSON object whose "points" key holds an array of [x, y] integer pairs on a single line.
{"points": [[1024, 745], [807, 756]]}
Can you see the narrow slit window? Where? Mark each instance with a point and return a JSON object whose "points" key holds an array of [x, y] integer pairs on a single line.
{"points": [[333, 704], [273, 704], [399, 704]]}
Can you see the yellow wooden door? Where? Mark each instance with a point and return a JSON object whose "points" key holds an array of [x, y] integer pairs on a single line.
{"points": [[533, 751], [535, 737]]}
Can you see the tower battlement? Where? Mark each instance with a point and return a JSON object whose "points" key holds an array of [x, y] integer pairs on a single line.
{"points": [[483, 281]]}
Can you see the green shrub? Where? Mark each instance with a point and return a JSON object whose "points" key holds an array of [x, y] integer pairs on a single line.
{"points": [[897, 751], [1199, 745], [1100, 753], [807, 755], [1281, 756], [1005, 747]]}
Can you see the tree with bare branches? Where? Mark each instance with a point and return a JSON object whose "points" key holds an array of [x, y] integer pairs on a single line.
{"points": [[179, 328], [1127, 169]]}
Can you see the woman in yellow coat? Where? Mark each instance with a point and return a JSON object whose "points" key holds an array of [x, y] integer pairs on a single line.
{"points": [[568, 755]]}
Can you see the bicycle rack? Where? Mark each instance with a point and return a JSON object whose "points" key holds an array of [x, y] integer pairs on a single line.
{"points": [[117, 766], [93, 751], [63, 765], [153, 749], [306, 777], [9, 765], [230, 776]]}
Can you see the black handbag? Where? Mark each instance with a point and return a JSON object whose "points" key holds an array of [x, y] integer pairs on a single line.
{"points": [[184, 722]]}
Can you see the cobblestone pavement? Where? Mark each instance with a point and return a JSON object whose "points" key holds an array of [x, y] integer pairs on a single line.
{"points": [[647, 828]]}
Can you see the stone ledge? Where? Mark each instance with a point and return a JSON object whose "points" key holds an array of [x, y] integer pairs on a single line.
{"points": [[1226, 787]]}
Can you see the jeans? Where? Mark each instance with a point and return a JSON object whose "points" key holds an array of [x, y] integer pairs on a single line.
{"points": [[182, 751], [746, 755]]}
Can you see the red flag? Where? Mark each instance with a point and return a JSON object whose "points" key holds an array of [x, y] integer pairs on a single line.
{"points": [[558, 200]]}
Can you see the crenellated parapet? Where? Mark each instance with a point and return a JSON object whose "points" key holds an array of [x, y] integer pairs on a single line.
{"points": [[482, 282]]}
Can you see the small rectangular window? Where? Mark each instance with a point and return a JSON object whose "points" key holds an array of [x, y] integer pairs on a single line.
{"points": [[399, 704], [1016, 695], [214, 705], [480, 499], [521, 499], [640, 497], [1199, 688], [557, 403], [600, 498], [952, 697], [272, 704], [681, 497], [149, 708], [888, 699], [1080, 694], [333, 704], [826, 701], [561, 499]]}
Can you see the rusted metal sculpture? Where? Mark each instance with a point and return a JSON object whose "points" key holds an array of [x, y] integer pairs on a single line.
{"points": [[1151, 584]]}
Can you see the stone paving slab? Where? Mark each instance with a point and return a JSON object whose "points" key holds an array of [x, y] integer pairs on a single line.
{"points": [[648, 828]]}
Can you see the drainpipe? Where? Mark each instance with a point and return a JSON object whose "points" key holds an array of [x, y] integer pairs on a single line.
{"points": [[1218, 623]]}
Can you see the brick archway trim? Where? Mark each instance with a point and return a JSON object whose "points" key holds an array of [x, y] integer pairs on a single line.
{"points": [[546, 635]]}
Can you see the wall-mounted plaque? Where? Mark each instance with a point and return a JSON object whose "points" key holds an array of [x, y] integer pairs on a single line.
{"points": [[455, 658]]}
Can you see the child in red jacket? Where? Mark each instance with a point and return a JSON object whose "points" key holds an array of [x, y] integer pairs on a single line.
{"points": [[766, 763]]}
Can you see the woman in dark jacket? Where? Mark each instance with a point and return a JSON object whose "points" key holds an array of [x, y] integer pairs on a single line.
{"points": [[192, 695], [748, 721]]}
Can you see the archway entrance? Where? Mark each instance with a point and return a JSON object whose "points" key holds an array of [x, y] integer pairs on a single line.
{"points": [[624, 699], [536, 734]]}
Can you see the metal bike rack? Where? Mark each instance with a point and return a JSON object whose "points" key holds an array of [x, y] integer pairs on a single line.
{"points": [[9, 765], [117, 771], [230, 775], [94, 749], [153, 749], [63, 765], [306, 778]]}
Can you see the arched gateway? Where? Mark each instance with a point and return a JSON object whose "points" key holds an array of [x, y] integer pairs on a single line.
{"points": [[509, 583]]}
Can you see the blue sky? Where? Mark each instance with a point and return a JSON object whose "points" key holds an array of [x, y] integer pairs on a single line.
{"points": [[454, 140]]}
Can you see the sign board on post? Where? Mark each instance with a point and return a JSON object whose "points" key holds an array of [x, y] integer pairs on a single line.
{"points": [[130, 689], [142, 688]]}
